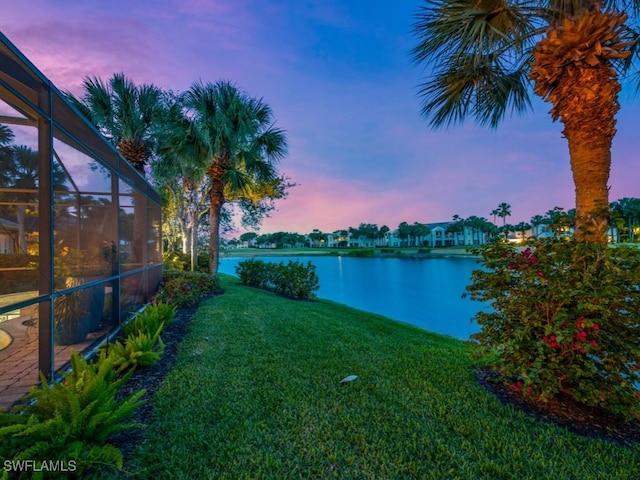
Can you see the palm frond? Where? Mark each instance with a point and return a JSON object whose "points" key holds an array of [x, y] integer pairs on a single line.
{"points": [[486, 91], [478, 54]]}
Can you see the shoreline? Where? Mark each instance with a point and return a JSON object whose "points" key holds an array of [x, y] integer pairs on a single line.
{"points": [[440, 252]]}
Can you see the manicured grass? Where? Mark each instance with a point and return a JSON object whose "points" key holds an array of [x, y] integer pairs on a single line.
{"points": [[255, 393]]}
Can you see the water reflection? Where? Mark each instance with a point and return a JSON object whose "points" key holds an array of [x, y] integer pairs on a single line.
{"points": [[425, 293]]}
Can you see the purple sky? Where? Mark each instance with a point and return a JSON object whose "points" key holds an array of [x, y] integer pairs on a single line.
{"points": [[340, 80]]}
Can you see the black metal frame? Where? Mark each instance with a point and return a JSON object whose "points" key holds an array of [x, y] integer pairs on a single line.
{"points": [[28, 91]]}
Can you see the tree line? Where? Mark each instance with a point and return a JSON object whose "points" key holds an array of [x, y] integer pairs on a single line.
{"points": [[625, 216]]}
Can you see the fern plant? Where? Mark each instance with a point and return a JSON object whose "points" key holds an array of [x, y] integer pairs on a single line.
{"points": [[138, 349], [149, 319], [72, 420]]}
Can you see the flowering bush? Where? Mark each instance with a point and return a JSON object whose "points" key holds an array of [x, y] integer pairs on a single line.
{"points": [[186, 288], [565, 319]]}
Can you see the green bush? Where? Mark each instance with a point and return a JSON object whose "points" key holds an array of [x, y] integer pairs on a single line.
{"points": [[294, 279], [139, 349], [71, 421], [365, 252], [565, 319], [186, 288], [254, 273], [182, 261]]}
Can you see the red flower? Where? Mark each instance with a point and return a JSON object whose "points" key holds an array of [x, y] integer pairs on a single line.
{"points": [[540, 274], [593, 343], [517, 387], [579, 322], [596, 326], [581, 336]]}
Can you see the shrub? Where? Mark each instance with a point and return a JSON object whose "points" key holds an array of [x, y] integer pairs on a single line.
{"points": [[365, 252], [182, 261], [565, 320], [186, 288], [424, 250], [72, 420], [294, 279]]}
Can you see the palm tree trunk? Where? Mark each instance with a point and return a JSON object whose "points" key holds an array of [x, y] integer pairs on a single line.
{"points": [[216, 200], [583, 90], [590, 164]]}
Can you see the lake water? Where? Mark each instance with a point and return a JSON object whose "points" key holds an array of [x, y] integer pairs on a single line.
{"points": [[422, 292]]}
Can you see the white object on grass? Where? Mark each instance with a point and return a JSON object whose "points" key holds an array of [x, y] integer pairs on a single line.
{"points": [[348, 379]]}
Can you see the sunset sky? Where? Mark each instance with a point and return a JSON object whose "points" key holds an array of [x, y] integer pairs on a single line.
{"points": [[339, 78]]}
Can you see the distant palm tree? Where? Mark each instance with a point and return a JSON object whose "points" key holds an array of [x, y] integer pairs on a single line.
{"points": [[124, 113], [242, 147], [522, 228], [494, 212], [476, 224], [404, 233], [504, 211], [456, 228], [418, 231], [486, 58], [629, 209], [536, 221]]}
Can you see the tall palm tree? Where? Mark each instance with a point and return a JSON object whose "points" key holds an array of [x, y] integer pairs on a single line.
{"points": [[504, 211], [242, 148], [124, 113], [487, 57], [494, 213]]}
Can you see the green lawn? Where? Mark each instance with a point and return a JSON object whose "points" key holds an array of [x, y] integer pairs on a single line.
{"points": [[255, 394]]}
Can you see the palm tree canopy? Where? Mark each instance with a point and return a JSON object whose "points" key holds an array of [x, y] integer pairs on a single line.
{"points": [[123, 112], [480, 52], [503, 210], [237, 135]]}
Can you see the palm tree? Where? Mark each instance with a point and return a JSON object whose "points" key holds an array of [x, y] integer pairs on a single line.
{"points": [[504, 211], [456, 227], [124, 113], [629, 209], [522, 228], [404, 233], [487, 57], [242, 146], [418, 231], [494, 213], [536, 221]]}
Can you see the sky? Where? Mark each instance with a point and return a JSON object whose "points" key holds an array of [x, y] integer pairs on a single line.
{"points": [[340, 80]]}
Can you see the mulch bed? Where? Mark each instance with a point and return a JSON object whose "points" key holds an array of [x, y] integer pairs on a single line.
{"points": [[150, 378], [565, 412]]}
